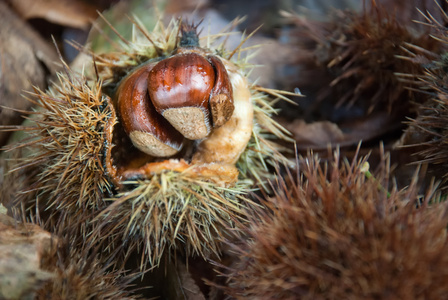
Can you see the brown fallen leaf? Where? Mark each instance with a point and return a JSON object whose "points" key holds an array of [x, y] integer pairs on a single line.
{"points": [[180, 283], [178, 6], [316, 134], [25, 60], [76, 14], [22, 248], [319, 135]]}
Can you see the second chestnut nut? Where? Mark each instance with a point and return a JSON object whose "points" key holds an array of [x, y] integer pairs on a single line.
{"points": [[184, 95]]}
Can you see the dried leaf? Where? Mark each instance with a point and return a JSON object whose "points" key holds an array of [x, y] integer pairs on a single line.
{"points": [[77, 14], [318, 135], [177, 6], [180, 284], [22, 248], [24, 61]]}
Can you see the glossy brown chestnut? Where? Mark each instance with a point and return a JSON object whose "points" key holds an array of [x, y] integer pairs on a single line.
{"points": [[221, 98], [180, 88], [148, 131]]}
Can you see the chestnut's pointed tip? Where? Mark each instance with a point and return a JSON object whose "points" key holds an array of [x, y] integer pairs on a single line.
{"points": [[189, 35]]}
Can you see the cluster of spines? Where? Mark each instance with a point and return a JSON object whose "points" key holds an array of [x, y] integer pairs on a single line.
{"points": [[356, 57], [81, 273], [66, 147], [331, 232], [428, 131], [217, 206], [175, 211], [73, 190]]}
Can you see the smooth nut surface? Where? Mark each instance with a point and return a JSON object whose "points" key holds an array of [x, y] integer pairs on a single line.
{"points": [[185, 95], [147, 129], [182, 81]]}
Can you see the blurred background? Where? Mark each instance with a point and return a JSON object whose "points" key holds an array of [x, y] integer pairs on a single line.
{"points": [[297, 38], [30, 29]]}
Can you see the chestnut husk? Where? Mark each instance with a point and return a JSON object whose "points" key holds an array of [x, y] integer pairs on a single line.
{"points": [[90, 181]]}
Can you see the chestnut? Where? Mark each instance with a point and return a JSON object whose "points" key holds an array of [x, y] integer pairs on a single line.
{"points": [[221, 98], [187, 87], [184, 95], [180, 87], [148, 131]]}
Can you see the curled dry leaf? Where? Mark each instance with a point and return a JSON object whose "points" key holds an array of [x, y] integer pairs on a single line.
{"points": [[76, 14], [25, 60], [180, 283], [318, 135], [177, 6], [22, 248]]}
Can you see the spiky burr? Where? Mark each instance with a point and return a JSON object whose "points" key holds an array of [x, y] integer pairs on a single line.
{"points": [[350, 60], [83, 274], [336, 232], [427, 134], [89, 179]]}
